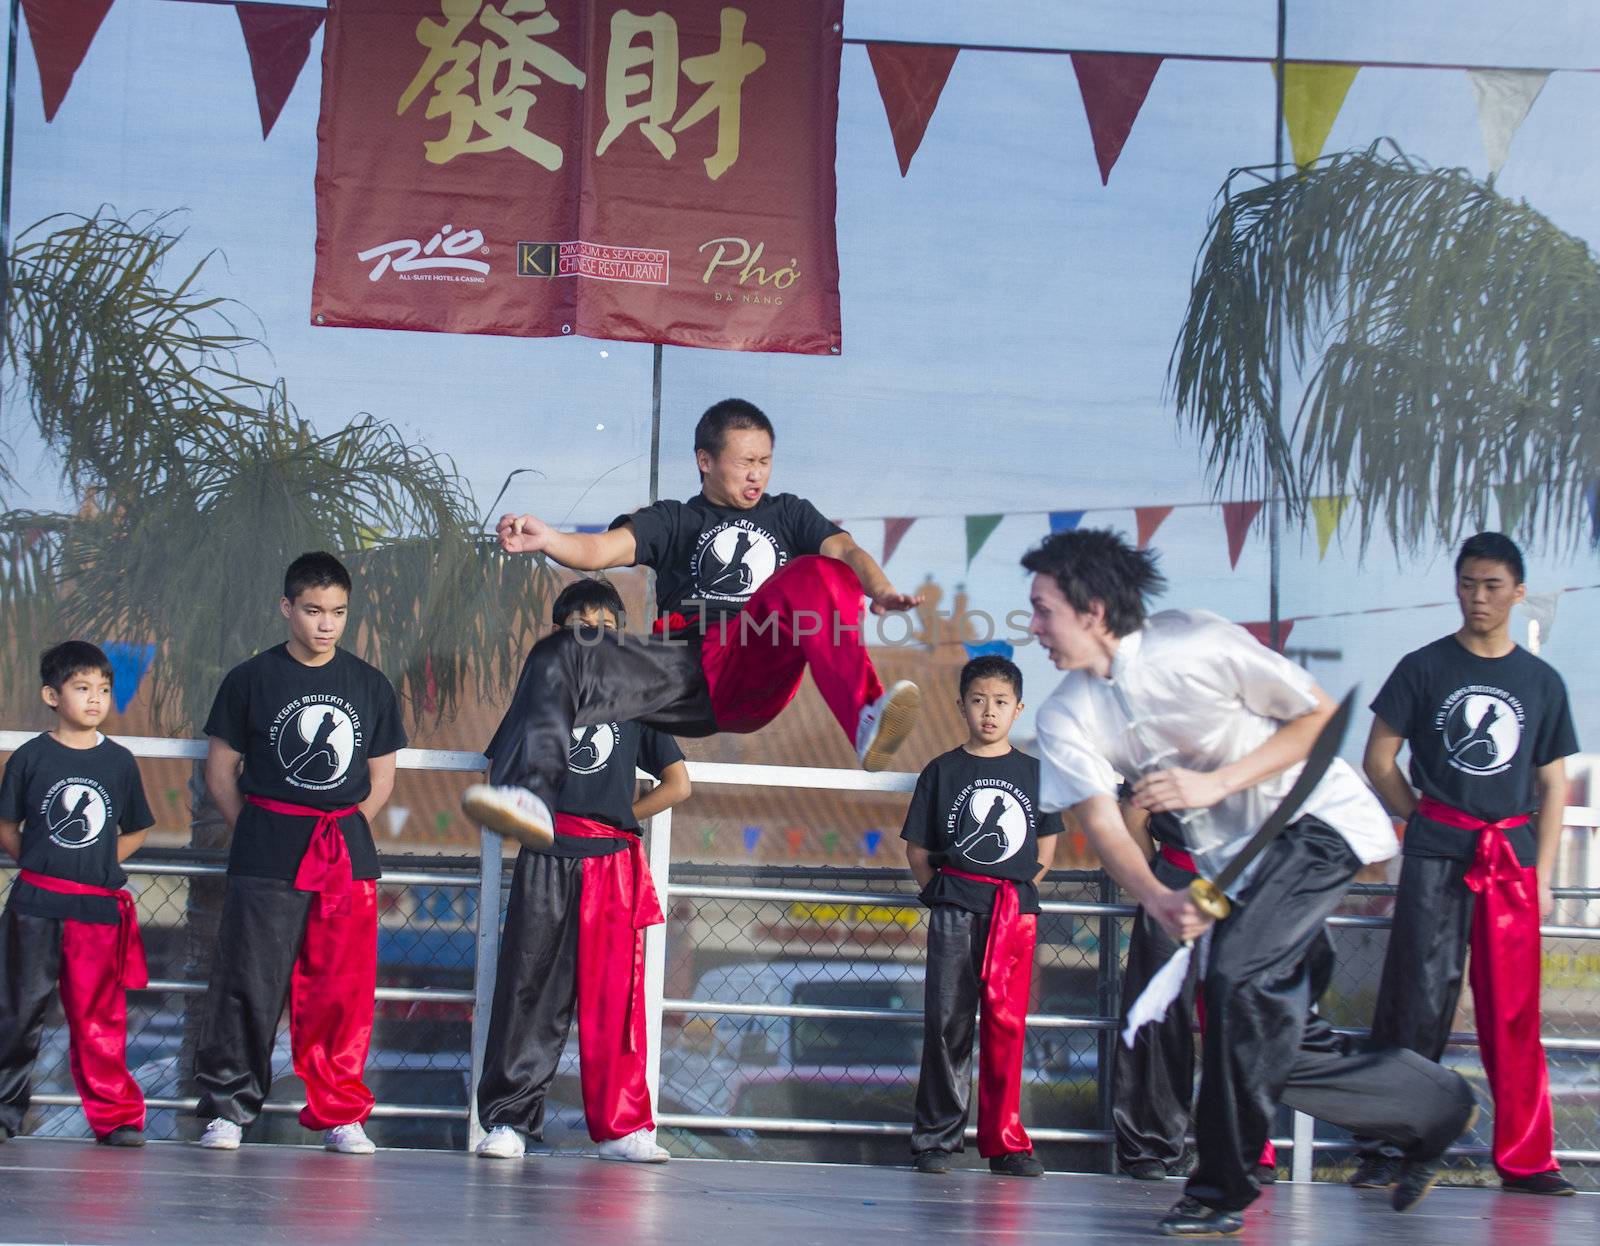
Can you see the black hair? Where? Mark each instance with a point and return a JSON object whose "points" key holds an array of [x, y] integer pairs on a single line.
{"points": [[59, 663], [723, 417], [1097, 564], [318, 570], [582, 596], [1494, 547], [991, 666]]}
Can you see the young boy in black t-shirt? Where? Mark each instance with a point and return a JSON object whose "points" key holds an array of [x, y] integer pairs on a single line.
{"points": [[302, 750], [1489, 729], [72, 809], [575, 930], [974, 846]]}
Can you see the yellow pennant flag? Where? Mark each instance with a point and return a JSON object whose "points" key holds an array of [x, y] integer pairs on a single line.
{"points": [[1312, 97], [1327, 512]]}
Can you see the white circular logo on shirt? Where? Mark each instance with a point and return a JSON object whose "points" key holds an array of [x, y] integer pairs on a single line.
{"points": [[75, 812], [734, 560], [591, 747], [316, 744], [1482, 729], [991, 827]]}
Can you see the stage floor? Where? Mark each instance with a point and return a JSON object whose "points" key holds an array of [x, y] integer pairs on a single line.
{"points": [[173, 1194]]}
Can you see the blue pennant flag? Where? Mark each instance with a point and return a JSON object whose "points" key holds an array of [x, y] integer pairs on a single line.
{"points": [[1065, 521], [872, 839], [752, 837], [128, 666], [994, 648]]}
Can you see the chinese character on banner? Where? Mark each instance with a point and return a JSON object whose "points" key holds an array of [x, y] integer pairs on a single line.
{"points": [[660, 170]]}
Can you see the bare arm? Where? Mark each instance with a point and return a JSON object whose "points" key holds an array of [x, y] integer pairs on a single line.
{"points": [[1047, 854], [1138, 823], [127, 845], [11, 839], [222, 779], [921, 862], [672, 788], [1383, 771], [874, 583], [582, 551], [1125, 861], [380, 770], [1196, 789], [1551, 782]]}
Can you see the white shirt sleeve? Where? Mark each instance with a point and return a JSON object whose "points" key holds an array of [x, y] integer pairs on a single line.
{"points": [[1071, 769], [1266, 682]]}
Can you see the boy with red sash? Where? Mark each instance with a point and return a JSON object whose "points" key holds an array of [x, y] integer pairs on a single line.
{"points": [[1489, 729], [72, 809], [302, 743], [975, 848], [575, 927]]}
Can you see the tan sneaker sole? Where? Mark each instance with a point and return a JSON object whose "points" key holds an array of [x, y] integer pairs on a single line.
{"points": [[487, 808], [899, 717]]}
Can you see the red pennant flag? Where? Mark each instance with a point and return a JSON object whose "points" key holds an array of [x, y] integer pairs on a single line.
{"points": [[278, 41], [911, 77], [1237, 518], [61, 32], [1263, 632], [1113, 89], [797, 838], [1149, 519], [893, 531]]}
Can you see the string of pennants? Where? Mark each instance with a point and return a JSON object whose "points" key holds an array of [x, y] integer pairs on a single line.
{"points": [[911, 77]]}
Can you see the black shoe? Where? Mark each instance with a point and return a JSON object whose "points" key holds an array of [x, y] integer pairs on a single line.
{"points": [[1376, 1171], [1415, 1180], [1146, 1170], [1016, 1164], [123, 1135], [1550, 1183], [1190, 1217], [935, 1162], [1266, 1174]]}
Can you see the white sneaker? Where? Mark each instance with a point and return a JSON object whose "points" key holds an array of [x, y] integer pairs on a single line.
{"points": [[502, 1142], [886, 723], [639, 1147], [221, 1135], [348, 1140], [514, 812]]}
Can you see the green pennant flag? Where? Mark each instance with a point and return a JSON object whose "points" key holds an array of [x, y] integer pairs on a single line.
{"points": [[1513, 496], [979, 530]]}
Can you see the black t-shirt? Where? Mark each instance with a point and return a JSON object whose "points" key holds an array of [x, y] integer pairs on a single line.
{"points": [[980, 815], [719, 555], [67, 802], [306, 733], [1478, 729]]}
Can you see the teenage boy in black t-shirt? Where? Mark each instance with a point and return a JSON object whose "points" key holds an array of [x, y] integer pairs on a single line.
{"points": [[752, 589], [975, 847], [72, 809], [1489, 728], [575, 931], [302, 750]]}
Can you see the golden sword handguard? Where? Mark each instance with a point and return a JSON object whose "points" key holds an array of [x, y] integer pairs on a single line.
{"points": [[1208, 898]]}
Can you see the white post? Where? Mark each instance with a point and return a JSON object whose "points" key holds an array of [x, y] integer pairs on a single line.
{"points": [[487, 957], [655, 952], [1302, 1157]]}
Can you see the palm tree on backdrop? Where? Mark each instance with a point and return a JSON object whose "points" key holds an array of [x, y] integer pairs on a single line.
{"points": [[1438, 343], [198, 486]]}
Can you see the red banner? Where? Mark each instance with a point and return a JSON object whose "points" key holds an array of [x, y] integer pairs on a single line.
{"points": [[546, 167]]}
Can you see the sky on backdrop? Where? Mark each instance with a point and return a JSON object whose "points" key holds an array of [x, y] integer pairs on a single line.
{"points": [[1007, 319]]}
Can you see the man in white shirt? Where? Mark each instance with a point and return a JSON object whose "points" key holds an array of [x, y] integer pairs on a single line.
{"points": [[1210, 726]]}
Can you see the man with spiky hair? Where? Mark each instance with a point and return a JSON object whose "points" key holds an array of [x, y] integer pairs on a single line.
{"points": [[1208, 725]]}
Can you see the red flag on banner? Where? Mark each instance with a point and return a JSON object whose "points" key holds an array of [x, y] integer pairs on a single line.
{"points": [[1113, 89], [278, 41], [1263, 632], [911, 78], [661, 177], [893, 530], [61, 32], [1236, 519], [1148, 519]]}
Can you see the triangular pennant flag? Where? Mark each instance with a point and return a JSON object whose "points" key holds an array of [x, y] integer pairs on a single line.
{"points": [[1148, 519], [752, 837], [708, 838], [1592, 496], [61, 32], [1263, 632], [830, 842], [1541, 609], [398, 816], [797, 838], [1504, 97], [1312, 96], [1513, 496], [872, 839], [979, 530], [893, 531], [128, 665], [1113, 89], [994, 648], [1327, 512], [278, 40], [1237, 518], [911, 77], [1065, 521]]}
